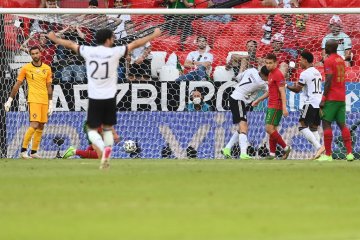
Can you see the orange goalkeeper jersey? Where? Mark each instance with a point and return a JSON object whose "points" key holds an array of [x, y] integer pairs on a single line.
{"points": [[37, 78]]}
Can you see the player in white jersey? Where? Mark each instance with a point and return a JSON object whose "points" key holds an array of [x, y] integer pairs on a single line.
{"points": [[242, 99], [310, 84], [102, 63]]}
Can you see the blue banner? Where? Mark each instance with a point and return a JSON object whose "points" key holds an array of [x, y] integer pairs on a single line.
{"points": [[207, 132]]}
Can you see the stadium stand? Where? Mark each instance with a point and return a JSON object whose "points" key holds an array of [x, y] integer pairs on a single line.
{"points": [[221, 37]]}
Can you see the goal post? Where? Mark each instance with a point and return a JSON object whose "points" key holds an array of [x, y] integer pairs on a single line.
{"points": [[156, 85]]}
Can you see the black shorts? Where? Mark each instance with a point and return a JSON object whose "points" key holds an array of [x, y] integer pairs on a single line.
{"points": [[101, 111], [310, 115], [239, 110]]}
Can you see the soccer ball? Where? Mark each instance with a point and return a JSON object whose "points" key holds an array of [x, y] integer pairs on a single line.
{"points": [[130, 146]]}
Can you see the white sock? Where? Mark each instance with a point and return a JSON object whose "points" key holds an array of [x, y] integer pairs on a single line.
{"points": [[108, 137], [234, 139], [243, 143], [96, 139], [317, 135], [310, 137]]}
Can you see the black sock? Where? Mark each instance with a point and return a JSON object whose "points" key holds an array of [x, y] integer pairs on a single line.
{"points": [[23, 149], [33, 151]]}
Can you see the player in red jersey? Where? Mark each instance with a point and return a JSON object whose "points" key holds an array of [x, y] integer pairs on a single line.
{"points": [[276, 106], [333, 101], [90, 151]]}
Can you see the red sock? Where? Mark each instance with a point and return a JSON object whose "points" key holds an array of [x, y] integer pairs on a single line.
{"points": [[328, 136], [272, 144], [87, 153], [278, 139], [347, 139]]}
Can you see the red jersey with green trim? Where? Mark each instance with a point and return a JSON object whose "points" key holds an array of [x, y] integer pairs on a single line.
{"points": [[275, 80], [335, 65]]}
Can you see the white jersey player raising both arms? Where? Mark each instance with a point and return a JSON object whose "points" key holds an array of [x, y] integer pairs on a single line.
{"points": [[310, 84], [102, 63], [251, 82]]}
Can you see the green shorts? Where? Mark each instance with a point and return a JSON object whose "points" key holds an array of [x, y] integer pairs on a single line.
{"points": [[273, 116], [333, 111]]}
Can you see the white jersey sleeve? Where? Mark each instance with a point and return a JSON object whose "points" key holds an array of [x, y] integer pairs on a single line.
{"points": [[84, 51]]}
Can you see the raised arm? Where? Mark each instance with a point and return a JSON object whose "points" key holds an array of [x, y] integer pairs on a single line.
{"points": [[142, 41], [24, 45], [66, 43]]}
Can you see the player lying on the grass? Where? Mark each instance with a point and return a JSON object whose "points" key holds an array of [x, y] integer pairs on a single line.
{"points": [[276, 106], [102, 63], [310, 84], [38, 77], [251, 82], [89, 152], [333, 101]]}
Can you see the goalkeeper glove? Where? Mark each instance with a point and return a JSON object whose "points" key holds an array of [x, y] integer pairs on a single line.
{"points": [[7, 105], [50, 111]]}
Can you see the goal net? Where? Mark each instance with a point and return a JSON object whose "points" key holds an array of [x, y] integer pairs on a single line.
{"points": [[157, 89]]}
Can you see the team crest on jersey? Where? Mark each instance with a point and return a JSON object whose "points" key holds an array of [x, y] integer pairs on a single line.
{"points": [[44, 71], [34, 115]]}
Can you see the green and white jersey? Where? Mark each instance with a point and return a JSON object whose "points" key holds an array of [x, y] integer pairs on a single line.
{"points": [[344, 42]]}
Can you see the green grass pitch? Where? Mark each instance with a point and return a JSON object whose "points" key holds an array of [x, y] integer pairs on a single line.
{"points": [[179, 200]]}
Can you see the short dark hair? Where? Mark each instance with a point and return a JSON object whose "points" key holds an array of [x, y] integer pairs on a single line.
{"points": [[93, 3], [201, 36], [253, 41], [308, 56], [264, 71], [271, 56], [34, 48], [103, 34]]}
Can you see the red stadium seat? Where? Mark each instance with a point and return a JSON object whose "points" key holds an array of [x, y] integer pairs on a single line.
{"points": [[237, 28], [20, 4], [208, 29], [144, 19], [219, 57], [356, 51], [190, 43], [201, 4], [166, 42], [143, 3], [352, 74]]}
